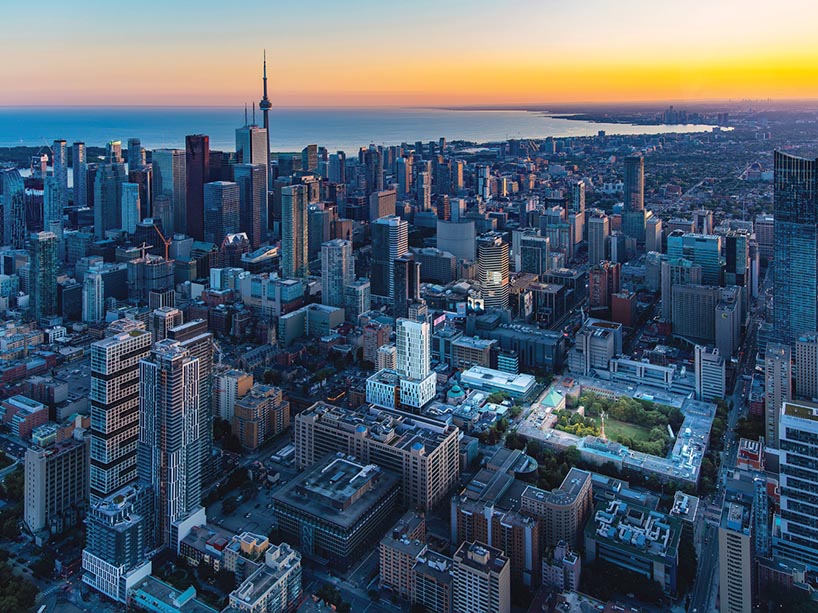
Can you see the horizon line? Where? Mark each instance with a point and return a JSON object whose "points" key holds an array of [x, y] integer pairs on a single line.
{"points": [[521, 106]]}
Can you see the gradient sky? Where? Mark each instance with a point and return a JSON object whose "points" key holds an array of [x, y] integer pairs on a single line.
{"points": [[423, 52]]}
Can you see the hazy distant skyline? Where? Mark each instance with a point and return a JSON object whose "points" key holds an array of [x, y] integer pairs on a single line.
{"points": [[443, 52]]}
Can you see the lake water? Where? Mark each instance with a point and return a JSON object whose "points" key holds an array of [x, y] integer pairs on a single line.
{"points": [[292, 128]]}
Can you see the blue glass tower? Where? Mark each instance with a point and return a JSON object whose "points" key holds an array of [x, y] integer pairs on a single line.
{"points": [[795, 246]]}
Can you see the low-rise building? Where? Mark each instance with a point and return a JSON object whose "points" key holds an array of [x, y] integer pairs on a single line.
{"points": [[151, 594], [519, 387], [336, 509], [637, 539], [274, 588]]}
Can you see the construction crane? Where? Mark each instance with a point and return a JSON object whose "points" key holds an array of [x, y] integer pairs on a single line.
{"points": [[143, 248], [165, 241]]}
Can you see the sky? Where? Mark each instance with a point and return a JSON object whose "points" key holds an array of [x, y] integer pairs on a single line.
{"points": [[420, 52]]}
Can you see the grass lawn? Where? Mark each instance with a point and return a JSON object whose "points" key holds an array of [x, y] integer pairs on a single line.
{"points": [[615, 430]]}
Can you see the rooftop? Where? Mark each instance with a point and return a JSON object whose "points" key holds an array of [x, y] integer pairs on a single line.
{"points": [[643, 532], [339, 490], [801, 410], [153, 590]]}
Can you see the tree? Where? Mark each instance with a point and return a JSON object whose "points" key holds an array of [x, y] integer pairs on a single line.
{"points": [[43, 567], [14, 486]]}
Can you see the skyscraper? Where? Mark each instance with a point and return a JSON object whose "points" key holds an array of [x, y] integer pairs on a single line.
{"points": [[12, 191], [169, 450], [251, 148], [79, 167], [294, 238], [700, 249], [633, 213], [424, 191], [777, 387], [197, 173], [194, 337], [794, 531], [60, 149], [252, 182], [169, 179], [795, 274], [417, 380], [43, 279], [407, 284], [130, 207], [52, 210], [390, 240], [634, 184], [136, 153], [599, 228], [492, 269], [114, 397], [93, 297], [108, 198], [337, 270], [221, 208]]}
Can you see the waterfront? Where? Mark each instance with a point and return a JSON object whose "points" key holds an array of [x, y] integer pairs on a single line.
{"points": [[344, 129]]}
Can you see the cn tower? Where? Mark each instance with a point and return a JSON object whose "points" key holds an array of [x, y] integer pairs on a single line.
{"points": [[265, 105]]}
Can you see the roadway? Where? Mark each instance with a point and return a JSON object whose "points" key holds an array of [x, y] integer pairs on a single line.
{"points": [[705, 588]]}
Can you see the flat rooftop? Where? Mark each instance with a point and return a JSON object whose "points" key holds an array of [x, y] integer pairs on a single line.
{"points": [[172, 599], [801, 410], [338, 490]]}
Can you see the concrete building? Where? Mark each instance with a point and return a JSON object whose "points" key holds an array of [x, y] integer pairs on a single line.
{"points": [[259, 415], [56, 484], [274, 588], [561, 569], [118, 538], [22, 415], [398, 553], [597, 342], [673, 272], [375, 335], [169, 452], [423, 451], [228, 387], [337, 271], [794, 532], [562, 512], [777, 388], [519, 387], [294, 232], [493, 267], [471, 351], [156, 596], [736, 559], [458, 238], [433, 582], [114, 398], [599, 229], [335, 510], [357, 299], [638, 539], [710, 373], [482, 579], [387, 357]]}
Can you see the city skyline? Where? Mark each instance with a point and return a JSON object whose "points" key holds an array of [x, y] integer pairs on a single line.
{"points": [[371, 55]]}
